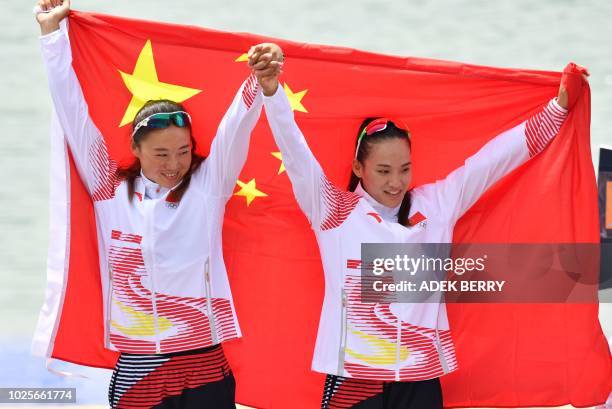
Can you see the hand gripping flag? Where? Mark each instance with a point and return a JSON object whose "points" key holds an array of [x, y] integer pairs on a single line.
{"points": [[509, 355]]}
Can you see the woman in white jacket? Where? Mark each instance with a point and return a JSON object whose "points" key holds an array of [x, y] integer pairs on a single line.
{"points": [[390, 355], [167, 301]]}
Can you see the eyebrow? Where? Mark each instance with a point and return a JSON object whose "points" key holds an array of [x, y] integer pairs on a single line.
{"points": [[383, 165], [165, 150]]}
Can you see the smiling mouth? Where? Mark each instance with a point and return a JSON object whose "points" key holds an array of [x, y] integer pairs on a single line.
{"points": [[170, 175]]}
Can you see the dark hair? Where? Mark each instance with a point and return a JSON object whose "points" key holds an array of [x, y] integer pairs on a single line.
{"points": [[390, 132], [131, 172]]}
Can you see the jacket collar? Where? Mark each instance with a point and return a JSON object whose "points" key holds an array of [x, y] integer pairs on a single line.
{"points": [[389, 214], [139, 188], [144, 188], [151, 189]]}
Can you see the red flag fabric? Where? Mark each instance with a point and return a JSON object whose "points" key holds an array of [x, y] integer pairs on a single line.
{"points": [[508, 355]]}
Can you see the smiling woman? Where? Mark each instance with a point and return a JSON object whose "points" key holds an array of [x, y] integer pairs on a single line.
{"points": [[362, 347], [167, 306]]}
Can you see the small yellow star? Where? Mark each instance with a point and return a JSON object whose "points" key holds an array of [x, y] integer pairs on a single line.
{"points": [[243, 58], [295, 99], [279, 156], [144, 85], [249, 190]]}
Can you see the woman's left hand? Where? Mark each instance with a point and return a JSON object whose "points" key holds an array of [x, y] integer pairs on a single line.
{"points": [[574, 77]]}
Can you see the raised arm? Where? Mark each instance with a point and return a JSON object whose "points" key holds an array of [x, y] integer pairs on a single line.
{"points": [[305, 173], [455, 194], [87, 145], [303, 169], [229, 148], [231, 144], [325, 205]]}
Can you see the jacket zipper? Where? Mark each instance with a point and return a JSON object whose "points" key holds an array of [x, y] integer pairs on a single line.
{"points": [[151, 244], [155, 316], [438, 345], [398, 349], [211, 317], [109, 300], [343, 329]]}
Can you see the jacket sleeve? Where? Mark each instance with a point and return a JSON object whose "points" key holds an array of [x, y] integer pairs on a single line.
{"points": [[229, 148], [455, 194], [325, 206], [89, 150]]}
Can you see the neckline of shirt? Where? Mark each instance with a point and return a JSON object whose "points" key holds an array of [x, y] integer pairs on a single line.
{"points": [[154, 190], [389, 214]]}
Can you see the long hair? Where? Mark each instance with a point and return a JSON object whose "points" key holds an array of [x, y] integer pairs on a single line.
{"points": [[131, 172], [390, 132]]}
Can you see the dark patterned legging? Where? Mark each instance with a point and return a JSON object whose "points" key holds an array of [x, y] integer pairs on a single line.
{"points": [[191, 379], [353, 393]]}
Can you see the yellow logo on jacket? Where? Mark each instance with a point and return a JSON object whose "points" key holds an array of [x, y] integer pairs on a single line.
{"points": [[384, 351], [143, 324]]}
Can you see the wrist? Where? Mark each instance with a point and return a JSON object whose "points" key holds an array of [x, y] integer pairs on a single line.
{"points": [[270, 90], [562, 101], [49, 26]]}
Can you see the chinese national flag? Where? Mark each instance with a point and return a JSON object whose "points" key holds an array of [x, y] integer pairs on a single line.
{"points": [[509, 355]]}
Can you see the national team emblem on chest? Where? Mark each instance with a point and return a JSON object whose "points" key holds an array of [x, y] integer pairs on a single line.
{"points": [[376, 216], [418, 219]]}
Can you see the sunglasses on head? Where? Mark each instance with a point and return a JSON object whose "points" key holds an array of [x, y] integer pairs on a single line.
{"points": [[164, 120], [379, 125]]}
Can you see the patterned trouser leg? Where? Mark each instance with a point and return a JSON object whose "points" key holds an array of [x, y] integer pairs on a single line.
{"points": [[340, 392], [191, 379]]}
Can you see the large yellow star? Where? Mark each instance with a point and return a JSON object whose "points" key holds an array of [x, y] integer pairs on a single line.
{"points": [[295, 98], [249, 190], [144, 85], [279, 156]]}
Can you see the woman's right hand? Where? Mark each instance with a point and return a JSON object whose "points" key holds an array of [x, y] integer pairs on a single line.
{"points": [[54, 11], [266, 60]]}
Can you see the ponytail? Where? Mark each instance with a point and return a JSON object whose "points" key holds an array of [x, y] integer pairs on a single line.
{"points": [[404, 210], [353, 182]]}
